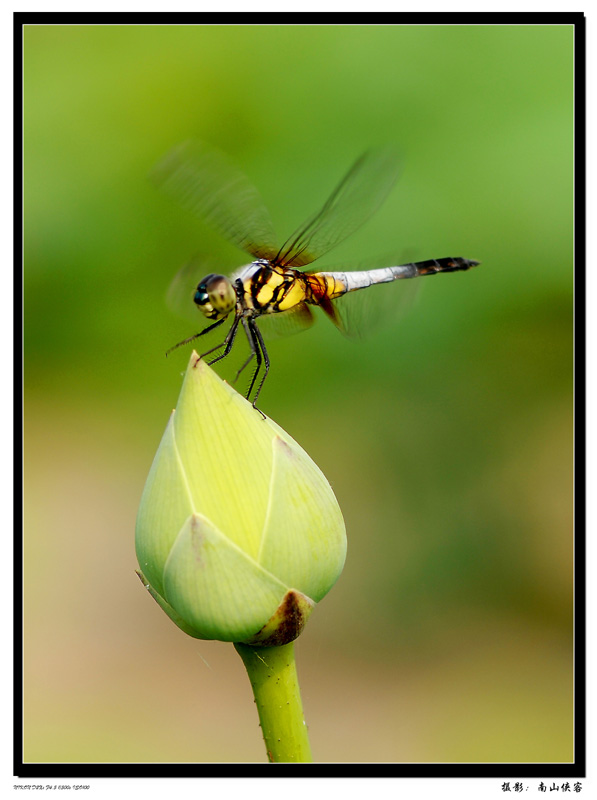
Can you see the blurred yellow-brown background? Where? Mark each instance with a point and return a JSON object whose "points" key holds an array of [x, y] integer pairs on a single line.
{"points": [[447, 437]]}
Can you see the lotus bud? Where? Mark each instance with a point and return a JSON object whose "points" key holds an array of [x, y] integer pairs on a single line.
{"points": [[238, 533]]}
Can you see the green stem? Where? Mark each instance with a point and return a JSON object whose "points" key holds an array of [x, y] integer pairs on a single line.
{"points": [[272, 672]]}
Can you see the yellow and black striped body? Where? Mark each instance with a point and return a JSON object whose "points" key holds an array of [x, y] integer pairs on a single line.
{"points": [[269, 289]]}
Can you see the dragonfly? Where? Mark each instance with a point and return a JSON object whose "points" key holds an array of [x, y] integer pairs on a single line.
{"points": [[279, 289]]}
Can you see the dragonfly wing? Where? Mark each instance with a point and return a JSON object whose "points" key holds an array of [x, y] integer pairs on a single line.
{"points": [[180, 293], [362, 313], [360, 193], [179, 299], [382, 298], [202, 179], [285, 323]]}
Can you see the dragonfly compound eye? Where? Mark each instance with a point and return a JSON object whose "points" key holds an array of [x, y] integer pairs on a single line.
{"points": [[215, 296]]}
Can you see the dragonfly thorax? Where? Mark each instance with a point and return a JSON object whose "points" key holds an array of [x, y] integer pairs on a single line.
{"points": [[215, 296]]}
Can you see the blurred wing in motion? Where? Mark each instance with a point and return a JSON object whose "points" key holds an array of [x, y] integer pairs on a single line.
{"points": [[363, 313], [203, 180], [360, 193], [180, 293], [359, 313], [285, 323]]}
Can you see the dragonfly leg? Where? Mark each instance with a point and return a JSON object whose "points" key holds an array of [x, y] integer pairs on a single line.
{"points": [[255, 342], [260, 345], [196, 335], [226, 344], [246, 364]]}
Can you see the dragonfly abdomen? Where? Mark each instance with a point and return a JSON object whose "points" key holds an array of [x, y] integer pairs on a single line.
{"points": [[450, 264], [338, 283]]}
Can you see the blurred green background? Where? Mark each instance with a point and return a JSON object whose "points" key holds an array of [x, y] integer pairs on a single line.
{"points": [[447, 437]]}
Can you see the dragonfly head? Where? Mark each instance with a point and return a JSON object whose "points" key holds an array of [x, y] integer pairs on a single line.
{"points": [[215, 296]]}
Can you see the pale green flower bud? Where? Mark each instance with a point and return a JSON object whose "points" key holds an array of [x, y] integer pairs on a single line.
{"points": [[238, 532]]}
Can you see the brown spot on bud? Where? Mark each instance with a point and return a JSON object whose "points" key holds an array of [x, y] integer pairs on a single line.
{"points": [[287, 623]]}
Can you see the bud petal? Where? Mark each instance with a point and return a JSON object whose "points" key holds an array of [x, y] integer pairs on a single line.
{"points": [[208, 579], [299, 499]]}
